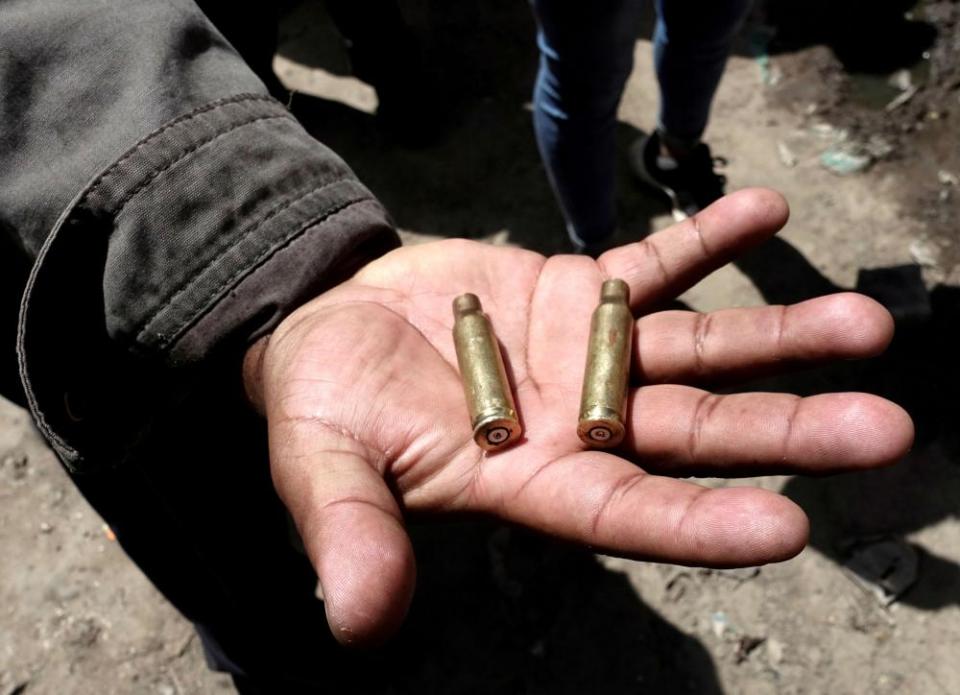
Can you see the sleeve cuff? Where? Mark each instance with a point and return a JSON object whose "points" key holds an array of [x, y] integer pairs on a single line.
{"points": [[200, 238]]}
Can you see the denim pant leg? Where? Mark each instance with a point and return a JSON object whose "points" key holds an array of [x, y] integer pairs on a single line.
{"points": [[586, 55], [691, 45]]}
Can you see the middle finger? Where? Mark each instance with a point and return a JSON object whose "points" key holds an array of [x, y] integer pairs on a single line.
{"points": [[685, 431], [686, 346]]}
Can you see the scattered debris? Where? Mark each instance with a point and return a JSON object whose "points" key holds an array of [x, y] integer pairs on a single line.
{"points": [[17, 464], [82, 632], [739, 574], [746, 645], [720, 625], [845, 161], [925, 253], [901, 79], [947, 178], [677, 585], [770, 74], [787, 157], [902, 98], [825, 131], [884, 568], [878, 147]]}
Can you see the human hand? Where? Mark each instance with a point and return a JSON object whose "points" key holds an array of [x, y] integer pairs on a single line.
{"points": [[367, 417]]}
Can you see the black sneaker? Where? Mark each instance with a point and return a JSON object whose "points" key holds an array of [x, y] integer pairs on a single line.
{"points": [[691, 185]]}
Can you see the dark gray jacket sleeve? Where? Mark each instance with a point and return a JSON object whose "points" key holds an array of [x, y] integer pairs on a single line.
{"points": [[172, 209]]}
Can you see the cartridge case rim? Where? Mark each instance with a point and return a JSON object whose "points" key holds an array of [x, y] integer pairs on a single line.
{"points": [[597, 421], [496, 430]]}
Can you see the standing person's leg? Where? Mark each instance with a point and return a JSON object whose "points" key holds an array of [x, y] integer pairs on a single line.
{"points": [[586, 55], [691, 45]]}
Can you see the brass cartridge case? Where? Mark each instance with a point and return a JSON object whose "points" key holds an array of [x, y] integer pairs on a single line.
{"points": [[493, 414], [604, 398]]}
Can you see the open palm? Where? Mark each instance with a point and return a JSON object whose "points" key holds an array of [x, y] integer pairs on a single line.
{"points": [[367, 416]]}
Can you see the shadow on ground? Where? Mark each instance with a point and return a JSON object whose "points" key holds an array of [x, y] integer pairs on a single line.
{"points": [[503, 610], [919, 372], [481, 173], [868, 36]]}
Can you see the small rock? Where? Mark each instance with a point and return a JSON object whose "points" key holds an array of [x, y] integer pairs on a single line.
{"points": [[45, 527], [16, 688], [925, 253], [775, 649], [947, 178], [787, 157]]}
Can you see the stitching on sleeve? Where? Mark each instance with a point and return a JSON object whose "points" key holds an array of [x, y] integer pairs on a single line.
{"points": [[170, 124], [149, 178], [255, 263], [281, 207], [177, 292]]}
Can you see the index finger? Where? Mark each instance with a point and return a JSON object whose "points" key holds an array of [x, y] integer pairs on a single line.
{"points": [[669, 262]]}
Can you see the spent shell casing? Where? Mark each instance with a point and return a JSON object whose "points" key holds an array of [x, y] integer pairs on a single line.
{"points": [[489, 400], [604, 398]]}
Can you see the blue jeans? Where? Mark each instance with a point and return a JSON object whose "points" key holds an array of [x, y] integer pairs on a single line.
{"points": [[586, 55]]}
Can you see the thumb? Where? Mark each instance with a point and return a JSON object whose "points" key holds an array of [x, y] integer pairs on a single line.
{"points": [[351, 527]]}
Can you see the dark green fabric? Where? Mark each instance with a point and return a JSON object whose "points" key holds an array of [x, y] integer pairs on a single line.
{"points": [[170, 209]]}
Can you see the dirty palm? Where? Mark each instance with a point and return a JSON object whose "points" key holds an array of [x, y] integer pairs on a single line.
{"points": [[367, 418]]}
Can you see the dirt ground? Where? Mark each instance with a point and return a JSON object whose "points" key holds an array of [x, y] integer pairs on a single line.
{"points": [[851, 109]]}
